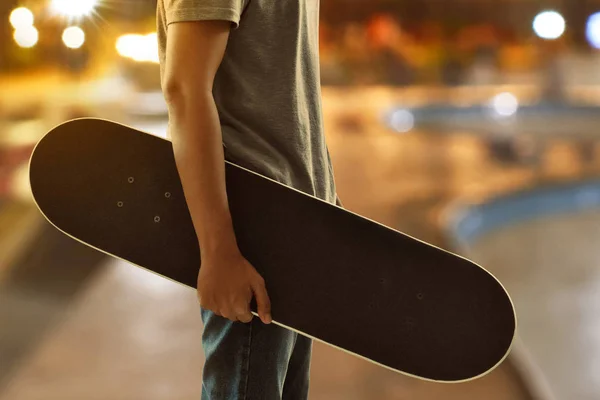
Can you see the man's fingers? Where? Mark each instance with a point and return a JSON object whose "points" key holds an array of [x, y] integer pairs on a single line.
{"points": [[245, 318], [263, 302], [243, 313]]}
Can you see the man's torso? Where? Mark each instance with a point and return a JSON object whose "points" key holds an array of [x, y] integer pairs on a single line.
{"points": [[267, 92]]}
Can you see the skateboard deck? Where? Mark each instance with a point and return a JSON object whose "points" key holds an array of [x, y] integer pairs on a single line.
{"points": [[331, 274]]}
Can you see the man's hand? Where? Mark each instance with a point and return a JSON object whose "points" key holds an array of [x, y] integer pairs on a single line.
{"points": [[226, 284]]}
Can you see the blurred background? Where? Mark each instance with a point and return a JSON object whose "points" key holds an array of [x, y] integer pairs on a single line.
{"points": [[470, 124]]}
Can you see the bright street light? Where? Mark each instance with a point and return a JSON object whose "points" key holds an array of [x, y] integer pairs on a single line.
{"points": [[593, 30], [73, 8], [141, 48], [73, 37], [26, 37], [505, 104], [128, 45], [549, 25], [402, 121], [21, 18]]}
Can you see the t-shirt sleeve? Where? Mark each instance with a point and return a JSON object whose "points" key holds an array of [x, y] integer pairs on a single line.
{"points": [[202, 10]]}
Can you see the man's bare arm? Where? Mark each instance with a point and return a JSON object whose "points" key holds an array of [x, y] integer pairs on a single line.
{"points": [[227, 281], [194, 52]]}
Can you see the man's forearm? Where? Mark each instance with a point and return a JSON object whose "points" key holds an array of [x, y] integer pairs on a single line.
{"points": [[197, 143]]}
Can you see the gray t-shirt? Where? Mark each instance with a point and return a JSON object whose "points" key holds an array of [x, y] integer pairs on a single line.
{"points": [[267, 89]]}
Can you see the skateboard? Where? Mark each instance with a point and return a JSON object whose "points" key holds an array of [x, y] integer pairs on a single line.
{"points": [[332, 275]]}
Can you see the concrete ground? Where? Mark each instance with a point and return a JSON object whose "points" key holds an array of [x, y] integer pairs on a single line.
{"points": [[551, 267]]}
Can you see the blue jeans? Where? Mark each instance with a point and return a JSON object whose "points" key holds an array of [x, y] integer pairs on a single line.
{"points": [[253, 361]]}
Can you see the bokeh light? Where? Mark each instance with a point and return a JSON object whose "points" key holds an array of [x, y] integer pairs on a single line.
{"points": [[73, 8], [402, 121], [549, 25], [593, 30], [128, 45], [141, 48], [26, 37], [21, 17], [505, 104], [73, 37]]}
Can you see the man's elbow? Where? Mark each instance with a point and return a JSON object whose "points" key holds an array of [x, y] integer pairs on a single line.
{"points": [[179, 93], [174, 92]]}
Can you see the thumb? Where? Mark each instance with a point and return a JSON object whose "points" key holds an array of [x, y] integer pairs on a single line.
{"points": [[263, 302]]}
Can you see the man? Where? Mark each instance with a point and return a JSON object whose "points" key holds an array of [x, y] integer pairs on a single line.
{"points": [[241, 78]]}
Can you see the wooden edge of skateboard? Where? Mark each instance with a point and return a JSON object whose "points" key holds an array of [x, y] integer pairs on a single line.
{"points": [[274, 320]]}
